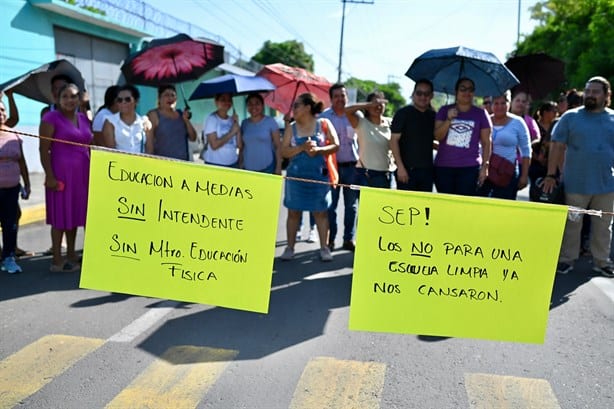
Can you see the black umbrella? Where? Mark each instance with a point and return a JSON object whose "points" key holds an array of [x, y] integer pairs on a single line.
{"points": [[36, 84], [539, 74], [443, 67]]}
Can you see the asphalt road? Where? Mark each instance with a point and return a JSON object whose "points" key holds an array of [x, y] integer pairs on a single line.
{"points": [[65, 347]]}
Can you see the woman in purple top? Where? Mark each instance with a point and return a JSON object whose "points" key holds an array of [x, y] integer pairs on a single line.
{"points": [[66, 168], [461, 129]]}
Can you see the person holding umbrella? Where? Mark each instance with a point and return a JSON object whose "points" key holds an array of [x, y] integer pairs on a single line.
{"points": [[171, 128], [222, 134], [462, 129], [261, 140], [306, 142]]}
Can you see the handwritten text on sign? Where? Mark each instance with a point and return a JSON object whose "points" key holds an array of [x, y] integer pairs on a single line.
{"points": [[180, 231], [454, 266]]}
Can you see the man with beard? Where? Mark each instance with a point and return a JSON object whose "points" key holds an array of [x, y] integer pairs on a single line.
{"points": [[585, 136]]}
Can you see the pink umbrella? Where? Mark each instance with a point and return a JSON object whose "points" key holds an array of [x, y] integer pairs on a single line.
{"points": [[291, 82], [172, 60]]}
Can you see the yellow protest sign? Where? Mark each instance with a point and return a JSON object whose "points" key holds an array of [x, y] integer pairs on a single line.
{"points": [[180, 231], [444, 265]]}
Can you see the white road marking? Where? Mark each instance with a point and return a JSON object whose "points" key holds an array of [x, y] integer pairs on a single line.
{"points": [[144, 322]]}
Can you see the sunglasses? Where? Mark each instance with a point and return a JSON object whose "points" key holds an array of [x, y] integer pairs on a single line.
{"points": [[422, 93], [487, 102], [466, 89], [125, 99]]}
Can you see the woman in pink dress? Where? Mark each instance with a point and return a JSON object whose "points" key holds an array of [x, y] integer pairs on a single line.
{"points": [[66, 174]]}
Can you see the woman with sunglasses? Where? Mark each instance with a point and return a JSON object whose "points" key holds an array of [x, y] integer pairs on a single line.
{"points": [[126, 130], [464, 134], [66, 168], [306, 143], [171, 127]]}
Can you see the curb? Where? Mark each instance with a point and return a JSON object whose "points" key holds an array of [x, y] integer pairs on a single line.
{"points": [[32, 214]]}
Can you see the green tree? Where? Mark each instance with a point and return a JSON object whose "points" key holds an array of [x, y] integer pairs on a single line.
{"points": [[392, 91], [289, 52], [579, 32]]}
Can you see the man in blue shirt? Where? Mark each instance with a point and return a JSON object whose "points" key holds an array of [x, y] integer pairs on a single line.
{"points": [[584, 139], [347, 156]]}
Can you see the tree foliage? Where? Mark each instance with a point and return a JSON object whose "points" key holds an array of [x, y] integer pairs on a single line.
{"points": [[291, 53], [579, 32], [392, 91]]}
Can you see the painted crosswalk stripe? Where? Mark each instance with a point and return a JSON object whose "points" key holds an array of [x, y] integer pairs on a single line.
{"points": [[487, 391], [37, 364], [178, 379], [328, 383]]}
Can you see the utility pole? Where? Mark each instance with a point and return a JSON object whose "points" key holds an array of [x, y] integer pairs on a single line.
{"points": [[518, 25], [342, 27]]}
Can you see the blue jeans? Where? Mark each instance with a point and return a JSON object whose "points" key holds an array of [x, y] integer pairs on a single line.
{"points": [[9, 198], [420, 180], [457, 181], [347, 176]]}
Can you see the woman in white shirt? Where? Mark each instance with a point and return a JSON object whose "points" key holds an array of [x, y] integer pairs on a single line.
{"points": [[126, 130], [374, 167], [222, 134]]}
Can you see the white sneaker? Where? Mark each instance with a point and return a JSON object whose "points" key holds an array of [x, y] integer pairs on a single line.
{"points": [[288, 254], [325, 254], [299, 236], [10, 266], [313, 236]]}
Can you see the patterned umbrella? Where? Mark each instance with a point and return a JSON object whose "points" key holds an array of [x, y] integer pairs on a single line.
{"points": [[233, 84], [172, 60], [290, 82]]}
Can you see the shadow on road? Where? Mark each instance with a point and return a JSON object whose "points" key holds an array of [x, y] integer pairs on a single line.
{"points": [[304, 291], [566, 284]]}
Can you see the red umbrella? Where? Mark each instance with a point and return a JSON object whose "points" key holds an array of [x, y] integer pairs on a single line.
{"points": [[172, 60], [290, 82]]}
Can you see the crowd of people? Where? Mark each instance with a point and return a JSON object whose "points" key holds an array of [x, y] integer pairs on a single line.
{"points": [[493, 150]]}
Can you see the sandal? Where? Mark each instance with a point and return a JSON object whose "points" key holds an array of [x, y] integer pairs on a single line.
{"points": [[70, 266], [56, 269]]}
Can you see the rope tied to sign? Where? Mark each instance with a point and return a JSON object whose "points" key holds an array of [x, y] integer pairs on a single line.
{"points": [[574, 213]]}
